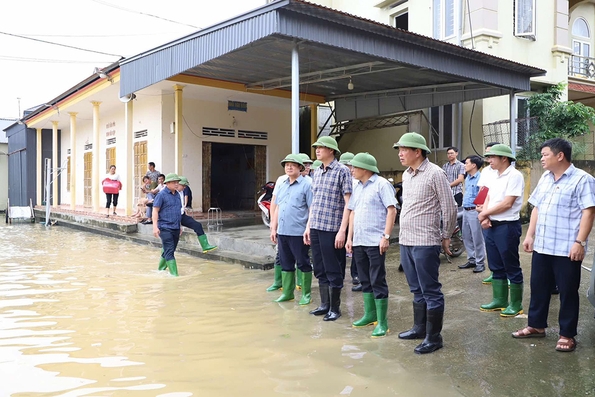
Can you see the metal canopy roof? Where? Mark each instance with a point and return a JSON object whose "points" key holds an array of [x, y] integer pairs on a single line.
{"points": [[392, 70]]}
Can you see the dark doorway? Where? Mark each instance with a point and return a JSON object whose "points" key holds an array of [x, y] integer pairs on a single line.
{"points": [[402, 21], [233, 176]]}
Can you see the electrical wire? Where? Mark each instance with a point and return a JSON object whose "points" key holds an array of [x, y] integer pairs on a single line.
{"points": [[90, 36], [23, 59], [105, 3], [61, 45]]}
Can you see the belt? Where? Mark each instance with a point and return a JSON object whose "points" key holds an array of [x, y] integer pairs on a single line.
{"points": [[499, 223], [468, 208]]}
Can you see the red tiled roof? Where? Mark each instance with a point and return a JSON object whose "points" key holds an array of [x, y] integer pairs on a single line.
{"points": [[581, 87]]}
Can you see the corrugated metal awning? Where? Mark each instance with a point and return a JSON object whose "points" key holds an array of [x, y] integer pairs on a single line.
{"points": [[392, 70]]}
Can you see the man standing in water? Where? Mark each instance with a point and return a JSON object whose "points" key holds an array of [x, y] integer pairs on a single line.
{"points": [[427, 199], [167, 216], [327, 226]]}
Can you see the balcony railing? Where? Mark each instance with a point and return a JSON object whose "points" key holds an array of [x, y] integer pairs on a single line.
{"points": [[582, 67]]}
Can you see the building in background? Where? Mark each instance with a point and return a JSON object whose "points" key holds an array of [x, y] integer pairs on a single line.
{"points": [[4, 162]]}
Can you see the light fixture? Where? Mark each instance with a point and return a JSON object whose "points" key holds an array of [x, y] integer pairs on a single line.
{"points": [[102, 74], [127, 98], [350, 84]]}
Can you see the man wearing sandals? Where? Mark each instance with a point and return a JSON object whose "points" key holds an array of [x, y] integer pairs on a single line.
{"points": [[561, 220]]}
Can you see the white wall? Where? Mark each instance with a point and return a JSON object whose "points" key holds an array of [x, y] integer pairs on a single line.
{"points": [[3, 176]]}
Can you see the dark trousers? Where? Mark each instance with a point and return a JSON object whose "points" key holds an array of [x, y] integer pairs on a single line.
{"points": [[169, 241], [502, 246], [191, 223], [371, 270], [329, 263], [108, 199], [421, 264], [547, 271], [292, 252], [459, 199], [353, 268]]}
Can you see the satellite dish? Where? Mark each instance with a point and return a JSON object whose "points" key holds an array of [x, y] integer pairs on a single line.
{"points": [[127, 98]]}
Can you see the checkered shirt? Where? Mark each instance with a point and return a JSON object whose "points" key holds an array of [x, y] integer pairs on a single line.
{"points": [[329, 186], [559, 208], [452, 173], [170, 209], [426, 199]]}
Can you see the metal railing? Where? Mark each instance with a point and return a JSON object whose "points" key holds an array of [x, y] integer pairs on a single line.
{"points": [[581, 66]]}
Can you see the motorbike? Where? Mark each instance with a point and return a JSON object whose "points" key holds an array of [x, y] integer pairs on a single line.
{"points": [[264, 202], [456, 239]]}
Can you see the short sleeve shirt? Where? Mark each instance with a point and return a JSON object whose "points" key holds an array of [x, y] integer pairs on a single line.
{"points": [[471, 189], [452, 173], [509, 183], [329, 186], [170, 209], [293, 201]]}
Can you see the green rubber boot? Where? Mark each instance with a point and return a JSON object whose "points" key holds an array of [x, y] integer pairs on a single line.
{"points": [[277, 283], [298, 278], [500, 293], [516, 301], [204, 244], [173, 267], [487, 280], [369, 317], [382, 327], [306, 288], [162, 262], [288, 281]]}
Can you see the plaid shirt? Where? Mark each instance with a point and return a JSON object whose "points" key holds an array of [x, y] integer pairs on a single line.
{"points": [[426, 196], [170, 209], [559, 208], [329, 186], [452, 173]]}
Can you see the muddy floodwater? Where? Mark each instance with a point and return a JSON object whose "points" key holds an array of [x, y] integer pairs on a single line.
{"points": [[86, 315]]}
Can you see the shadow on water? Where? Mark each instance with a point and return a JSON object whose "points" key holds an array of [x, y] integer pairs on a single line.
{"points": [[85, 315]]}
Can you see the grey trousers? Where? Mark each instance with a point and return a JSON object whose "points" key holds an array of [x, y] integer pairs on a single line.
{"points": [[473, 238]]}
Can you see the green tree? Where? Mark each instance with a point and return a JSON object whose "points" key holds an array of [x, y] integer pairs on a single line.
{"points": [[556, 119]]}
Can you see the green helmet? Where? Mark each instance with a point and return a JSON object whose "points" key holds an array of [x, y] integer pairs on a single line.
{"points": [[172, 177], [305, 158], [292, 158], [365, 161], [501, 150], [316, 164], [413, 140], [346, 158], [329, 142], [184, 181]]}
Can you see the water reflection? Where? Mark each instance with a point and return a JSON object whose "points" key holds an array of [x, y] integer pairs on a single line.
{"points": [[82, 314]]}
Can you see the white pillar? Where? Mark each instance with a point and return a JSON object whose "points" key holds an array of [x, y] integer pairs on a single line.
{"points": [[129, 157], [295, 100], [178, 145], [38, 171], [55, 164], [95, 164], [73, 164]]}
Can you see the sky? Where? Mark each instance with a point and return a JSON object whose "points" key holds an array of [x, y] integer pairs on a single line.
{"points": [[102, 30]]}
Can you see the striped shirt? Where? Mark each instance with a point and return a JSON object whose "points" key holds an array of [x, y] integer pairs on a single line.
{"points": [[453, 171], [370, 202], [170, 209], [427, 199], [329, 187], [559, 209]]}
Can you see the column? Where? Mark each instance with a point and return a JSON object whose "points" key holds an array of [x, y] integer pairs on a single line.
{"points": [[73, 163], [55, 164], [178, 152], [313, 128], [295, 100], [39, 171], [95, 172], [128, 158]]}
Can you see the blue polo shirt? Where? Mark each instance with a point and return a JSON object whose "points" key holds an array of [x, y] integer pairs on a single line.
{"points": [[293, 201], [170, 209], [471, 189]]}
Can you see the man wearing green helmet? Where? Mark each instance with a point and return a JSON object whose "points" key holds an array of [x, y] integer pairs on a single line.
{"points": [[327, 226], [427, 200], [190, 222], [357, 285]]}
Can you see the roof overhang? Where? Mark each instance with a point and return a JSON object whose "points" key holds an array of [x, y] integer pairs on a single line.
{"points": [[391, 70]]}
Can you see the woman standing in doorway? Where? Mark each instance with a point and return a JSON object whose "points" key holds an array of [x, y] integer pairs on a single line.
{"points": [[111, 187]]}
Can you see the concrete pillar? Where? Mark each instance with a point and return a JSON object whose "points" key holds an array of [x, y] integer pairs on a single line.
{"points": [[128, 157], [73, 162], [95, 175], [178, 145], [55, 164], [313, 128], [39, 172], [561, 49]]}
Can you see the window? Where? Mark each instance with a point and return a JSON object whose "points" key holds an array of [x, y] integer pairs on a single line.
{"points": [[581, 47], [442, 126], [402, 21], [444, 19], [524, 18], [526, 125]]}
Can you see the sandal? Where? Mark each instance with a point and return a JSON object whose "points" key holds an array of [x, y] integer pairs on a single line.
{"points": [[528, 332], [566, 344]]}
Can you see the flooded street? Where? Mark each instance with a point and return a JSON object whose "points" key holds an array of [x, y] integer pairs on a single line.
{"points": [[85, 315]]}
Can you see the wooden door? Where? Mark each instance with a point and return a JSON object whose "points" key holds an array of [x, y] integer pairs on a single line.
{"points": [[87, 179], [140, 167]]}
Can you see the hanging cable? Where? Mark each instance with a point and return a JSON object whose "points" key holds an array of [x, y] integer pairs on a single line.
{"points": [[105, 3], [61, 45]]}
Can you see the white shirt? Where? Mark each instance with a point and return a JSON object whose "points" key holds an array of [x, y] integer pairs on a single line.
{"points": [[487, 173], [509, 183]]}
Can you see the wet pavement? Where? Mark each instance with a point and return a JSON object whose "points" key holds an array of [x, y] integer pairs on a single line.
{"points": [[84, 314]]}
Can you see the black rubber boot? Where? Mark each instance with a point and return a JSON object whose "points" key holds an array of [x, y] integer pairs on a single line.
{"points": [[433, 339], [325, 301], [419, 323], [335, 310]]}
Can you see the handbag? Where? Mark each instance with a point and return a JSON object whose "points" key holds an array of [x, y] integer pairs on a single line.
{"points": [[111, 186]]}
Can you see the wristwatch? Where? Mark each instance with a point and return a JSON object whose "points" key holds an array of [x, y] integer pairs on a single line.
{"points": [[582, 243], [386, 236]]}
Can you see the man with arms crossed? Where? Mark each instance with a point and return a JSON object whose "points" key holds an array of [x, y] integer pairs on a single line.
{"points": [[427, 199], [373, 210], [561, 220]]}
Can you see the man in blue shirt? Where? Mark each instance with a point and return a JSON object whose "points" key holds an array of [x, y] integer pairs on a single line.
{"points": [[372, 218], [472, 232], [288, 223], [561, 220], [167, 216]]}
